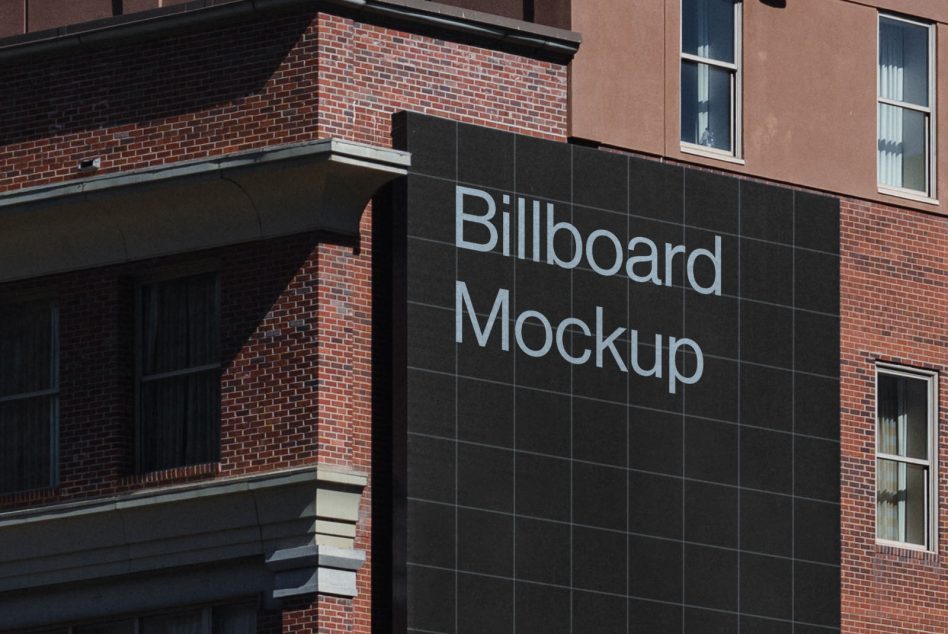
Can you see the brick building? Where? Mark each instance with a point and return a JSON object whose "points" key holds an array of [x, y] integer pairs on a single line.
{"points": [[211, 166], [241, 390]]}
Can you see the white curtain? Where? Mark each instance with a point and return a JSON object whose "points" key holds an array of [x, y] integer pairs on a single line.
{"points": [[891, 82], [704, 134], [891, 475]]}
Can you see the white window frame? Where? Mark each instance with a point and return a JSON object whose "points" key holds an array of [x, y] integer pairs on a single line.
{"points": [[931, 499], [734, 155], [930, 194]]}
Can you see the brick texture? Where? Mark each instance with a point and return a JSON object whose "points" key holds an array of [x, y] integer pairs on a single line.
{"points": [[296, 312], [894, 280]]}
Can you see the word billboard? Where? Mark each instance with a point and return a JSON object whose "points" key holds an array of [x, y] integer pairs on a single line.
{"points": [[613, 392], [640, 267]]}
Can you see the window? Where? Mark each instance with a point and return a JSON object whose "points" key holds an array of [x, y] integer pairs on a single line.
{"points": [[710, 76], [178, 372], [29, 396], [221, 619], [906, 96], [906, 443]]}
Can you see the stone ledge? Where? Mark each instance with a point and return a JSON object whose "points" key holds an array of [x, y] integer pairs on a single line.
{"points": [[321, 185], [269, 530]]}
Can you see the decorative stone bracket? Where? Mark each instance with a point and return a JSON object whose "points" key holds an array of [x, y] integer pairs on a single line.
{"points": [[279, 535], [315, 569]]}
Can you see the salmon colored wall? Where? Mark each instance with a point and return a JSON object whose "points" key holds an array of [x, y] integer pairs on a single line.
{"points": [[808, 98], [617, 78]]}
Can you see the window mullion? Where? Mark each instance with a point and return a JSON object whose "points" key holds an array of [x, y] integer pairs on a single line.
{"points": [[183, 372], [906, 459], [904, 104], [698, 59], [28, 395]]}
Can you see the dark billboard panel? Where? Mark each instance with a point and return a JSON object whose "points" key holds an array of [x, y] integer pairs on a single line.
{"points": [[608, 393]]}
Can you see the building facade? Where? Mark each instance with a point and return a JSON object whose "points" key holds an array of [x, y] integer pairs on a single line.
{"points": [[847, 98], [475, 316], [193, 450]]}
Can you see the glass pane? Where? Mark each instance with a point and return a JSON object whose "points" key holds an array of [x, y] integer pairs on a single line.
{"points": [[26, 348], [707, 28], [903, 154], [180, 420], [25, 428], [235, 619], [901, 502], [902, 410], [184, 623], [179, 324], [903, 61], [706, 106], [119, 627]]}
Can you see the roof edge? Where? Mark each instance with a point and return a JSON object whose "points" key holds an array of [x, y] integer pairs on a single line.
{"points": [[492, 30]]}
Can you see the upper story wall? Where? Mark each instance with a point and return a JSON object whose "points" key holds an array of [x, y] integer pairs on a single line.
{"points": [[808, 98], [28, 16]]}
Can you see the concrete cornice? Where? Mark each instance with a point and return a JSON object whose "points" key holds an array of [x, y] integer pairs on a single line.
{"points": [[281, 535], [191, 205], [484, 28], [190, 491], [394, 162]]}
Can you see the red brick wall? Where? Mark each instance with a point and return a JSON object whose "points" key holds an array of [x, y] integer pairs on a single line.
{"points": [[366, 73], [269, 326], [894, 280], [297, 315]]}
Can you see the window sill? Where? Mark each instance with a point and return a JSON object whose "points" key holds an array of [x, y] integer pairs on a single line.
{"points": [[697, 150], [174, 475], [908, 195], [29, 497], [904, 550]]}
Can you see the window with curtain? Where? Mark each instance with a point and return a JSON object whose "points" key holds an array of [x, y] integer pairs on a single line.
{"points": [[905, 442], [29, 395], [221, 619], [179, 372], [905, 143], [710, 74]]}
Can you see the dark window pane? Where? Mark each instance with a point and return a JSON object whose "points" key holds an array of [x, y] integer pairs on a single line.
{"points": [[903, 61], [180, 420], [235, 619], [706, 105], [902, 411], [707, 28], [182, 623], [25, 442], [179, 414], [26, 345], [179, 324], [115, 627]]}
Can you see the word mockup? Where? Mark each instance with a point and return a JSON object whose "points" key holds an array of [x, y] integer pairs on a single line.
{"points": [[641, 260]]}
